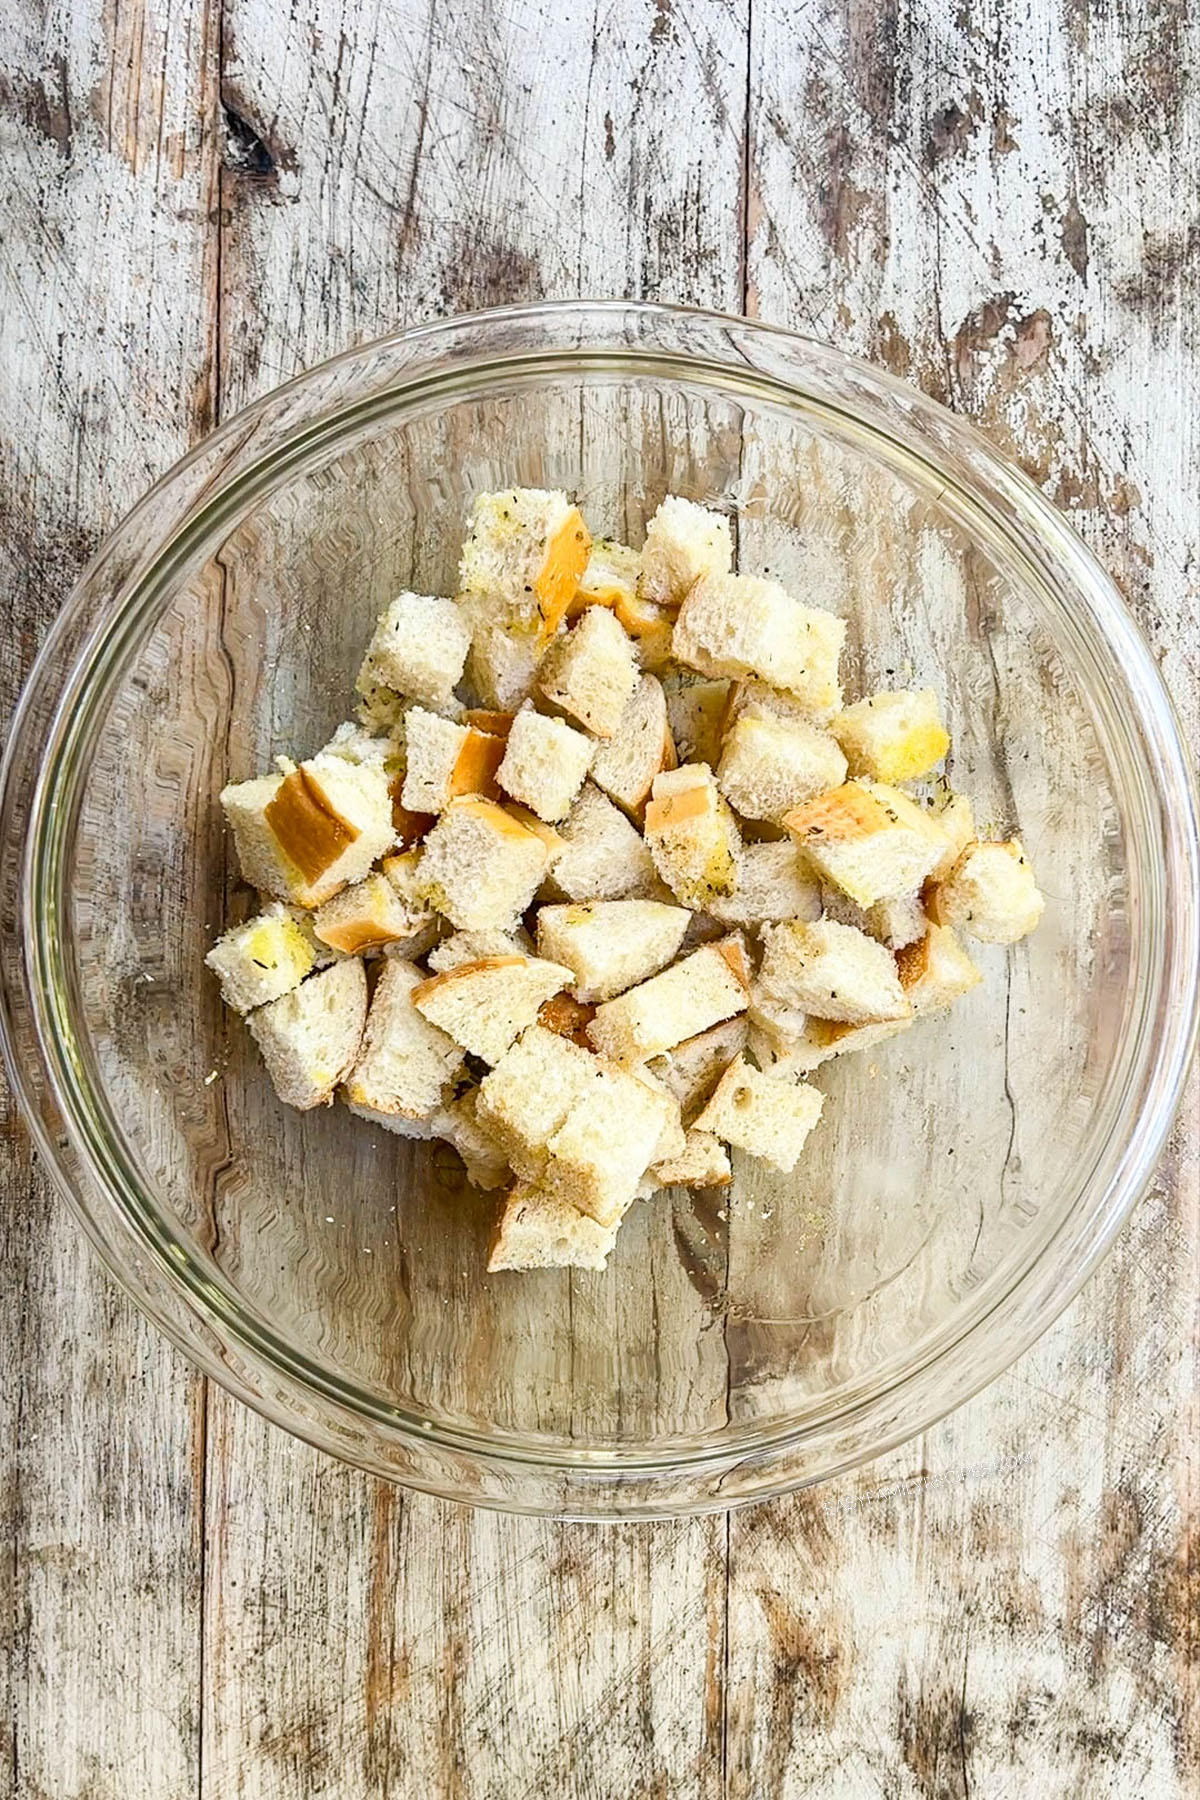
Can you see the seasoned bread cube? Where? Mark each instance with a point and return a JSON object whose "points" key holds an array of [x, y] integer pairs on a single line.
{"points": [[774, 882], [936, 971], [406, 1064], [567, 1017], [419, 649], [591, 671], [367, 916], [304, 835], [472, 946], [770, 765], [990, 893], [760, 700], [607, 1141], [539, 1231], [603, 856], [483, 718], [768, 1117], [357, 744], [611, 576], [529, 1093], [544, 764], [609, 945], [831, 971], [703, 1162], [692, 836], [458, 1124], [261, 960], [897, 921], [869, 840], [892, 737], [309, 1038], [625, 767], [444, 759], [955, 818], [696, 715], [501, 667], [710, 985], [480, 866], [525, 551], [485, 1005], [822, 1040], [683, 542], [741, 625], [652, 629], [693, 1068]]}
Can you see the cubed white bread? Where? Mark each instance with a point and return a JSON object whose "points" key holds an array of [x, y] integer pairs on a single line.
{"points": [[990, 893], [539, 1231], [310, 1037], [610, 945], [485, 1005], [892, 736], [471, 946], [261, 960], [419, 648], [955, 817], [652, 629], [487, 719], [444, 759], [774, 882], [403, 872], [529, 1093], [758, 699], [365, 917], [761, 1114], [406, 1065], [693, 1068], [869, 840], [895, 922], [625, 767], [825, 1039], [692, 835], [525, 551], [603, 856], [936, 972], [591, 671], [606, 1143], [741, 625], [710, 985], [502, 667], [770, 765], [696, 712], [458, 1124], [683, 542], [358, 744], [703, 1162], [304, 835], [611, 575], [831, 971], [380, 709], [545, 763], [671, 1138], [480, 866]]}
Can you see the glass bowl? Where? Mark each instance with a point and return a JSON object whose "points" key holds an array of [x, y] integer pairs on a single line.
{"points": [[966, 1178]]}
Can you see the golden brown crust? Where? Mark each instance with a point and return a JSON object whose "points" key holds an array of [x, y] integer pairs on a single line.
{"points": [[357, 935], [502, 819], [732, 952], [558, 580], [409, 827], [495, 724], [448, 977], [912, 962], [305, 825], [676, 809], [475, 768], [529, 821], [567, 1017], [838, 817]]}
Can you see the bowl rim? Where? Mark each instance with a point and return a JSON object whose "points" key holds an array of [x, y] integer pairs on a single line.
{"points": [[590, 1475]]}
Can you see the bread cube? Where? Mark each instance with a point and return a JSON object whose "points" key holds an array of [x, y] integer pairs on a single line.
{"points": [[502, 667], [356, 743], [741, 625], [609, 945], [529, 1093], [892, 737], [831, 971], [870, 841], [897, 921], [774, 882], [366, 917], [545, 763], [759, 700], [606, 1143], [696, 713], [768, 1117], [770, 765], [406, 1065], [652, 629], [472, 946], [625, 767], [525, 552], [611, 576], [703, 1162], [539, 1231], [710, 985], [260, 961], [683, 542], [444, 760], [693, 1068], [603, 856], [419, 649], [304, 835], [936, 971], [483, 1159], [567, 1017], [990, 893], [480, 866], [692, 836], [310, 1037], [590, 672], [955, 819], [494, 724], [485, 1005]]}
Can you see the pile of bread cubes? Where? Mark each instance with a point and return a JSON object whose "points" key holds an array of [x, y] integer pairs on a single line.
{"points": [[602, 871]]}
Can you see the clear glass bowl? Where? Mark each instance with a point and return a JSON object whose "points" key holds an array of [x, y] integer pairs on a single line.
{"points": [[966, 1178]]}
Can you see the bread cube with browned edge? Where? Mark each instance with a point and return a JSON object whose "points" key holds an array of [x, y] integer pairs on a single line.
{"points": [[356, 743], [545, 764], [482, 1158], [611, 945], [696, 715], [529, 1093], [759, 700], [366, 917], [896, 921], [831, 971], [641, 747], [955, 819], [607, 1141], [472, 946], [502, 668], [525, 551], [610, 577], [303, 836], [261, 960], [603, 856], [892, 736], [403, 1074], [692, 835], [770, 765], [767, 1117], [683, 542], [743, 625], [936, 971], [869, 840], [590, 672], [485, 1005], [444, 760], [537, 1230], [703, 1162], [567, 1017], [990, 893], [700, 990], [480, 866], [774, 881], [310, 1037], [418, 649], [692, 1069]]}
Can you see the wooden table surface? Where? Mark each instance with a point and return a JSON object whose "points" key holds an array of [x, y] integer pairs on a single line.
{"points": [[998, 201]]}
